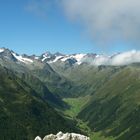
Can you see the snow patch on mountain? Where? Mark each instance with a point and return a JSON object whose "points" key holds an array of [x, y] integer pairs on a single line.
{"points": [[36, 57], [1, 50], [77, 57], [56, 59], [46, 55], [22, 59]]}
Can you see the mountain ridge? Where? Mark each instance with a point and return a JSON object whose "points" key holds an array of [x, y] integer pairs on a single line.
{"points": [[124, 58]]}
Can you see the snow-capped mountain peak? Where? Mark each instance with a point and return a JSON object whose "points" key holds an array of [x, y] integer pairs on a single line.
{"points": [[45, 56], [1, 50], [124, 58], [77, 57], [12, 56], [22, 59]]}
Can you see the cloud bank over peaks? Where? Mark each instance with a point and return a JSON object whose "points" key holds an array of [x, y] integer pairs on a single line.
{"points": [[107, 20], [124, 58]]}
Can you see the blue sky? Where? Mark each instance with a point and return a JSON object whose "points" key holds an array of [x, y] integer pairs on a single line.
{"points": [[36, 31]]}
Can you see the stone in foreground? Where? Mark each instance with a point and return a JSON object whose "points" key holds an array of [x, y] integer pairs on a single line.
{"points": [[62, 136], [38, 138]]}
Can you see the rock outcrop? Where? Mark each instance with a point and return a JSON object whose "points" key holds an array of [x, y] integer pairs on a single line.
{"points": [[38, 138], [62, 136]]}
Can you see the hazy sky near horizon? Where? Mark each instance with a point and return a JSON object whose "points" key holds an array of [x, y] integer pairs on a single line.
{"points": [[69, 26]]}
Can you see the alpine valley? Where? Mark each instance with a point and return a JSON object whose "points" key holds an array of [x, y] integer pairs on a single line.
{"points": [[90, 94]]}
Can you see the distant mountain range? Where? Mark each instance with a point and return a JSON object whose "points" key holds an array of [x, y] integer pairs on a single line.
{"points": [[49, 93], [90, 58]]}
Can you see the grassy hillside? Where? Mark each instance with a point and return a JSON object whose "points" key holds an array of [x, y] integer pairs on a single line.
{"points": [[85, 79], [57, 84], [41, 78], [75, 106], [115, 107], [104, 100], [23, 113], [42, 90]]}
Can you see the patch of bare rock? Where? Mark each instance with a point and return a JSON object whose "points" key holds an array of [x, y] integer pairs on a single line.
{"points": [[64, 136]]}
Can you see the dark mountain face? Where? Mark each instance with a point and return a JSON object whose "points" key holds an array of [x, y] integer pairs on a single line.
{"points": [[25, 111], [7, 55]]}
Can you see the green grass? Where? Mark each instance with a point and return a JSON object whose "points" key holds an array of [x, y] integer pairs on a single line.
{"points": [[99, 136], [114, 108], [24, 113], [76, 104]]}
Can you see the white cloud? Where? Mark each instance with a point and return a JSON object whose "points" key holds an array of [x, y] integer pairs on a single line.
{"points": [[107, 20], [124, 58]]}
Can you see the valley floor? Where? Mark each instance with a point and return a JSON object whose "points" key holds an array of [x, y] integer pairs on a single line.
{"points": [[76, 104]]}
